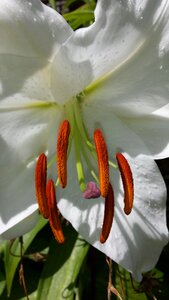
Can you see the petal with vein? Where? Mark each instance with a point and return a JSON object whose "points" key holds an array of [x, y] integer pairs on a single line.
{"points": [[119, 31], [24, 80], [29, 132], [137, 90]]}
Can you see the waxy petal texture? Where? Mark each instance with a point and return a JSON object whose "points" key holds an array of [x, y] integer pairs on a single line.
{"points": [[120, 30], [25, 76], [137, 88], [30, 34], [31, 29], [18, 209], [128, 50]]}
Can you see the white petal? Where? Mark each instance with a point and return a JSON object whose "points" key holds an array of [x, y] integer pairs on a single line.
{"points": [[24, 134], [120, 29], [119, 137], [154, 132], [20, 224], [24, 80], [150, 132], [145, 227], [40, 80], [28, 132], [28, 112], [29, 28], [31, 34], [18, 213], [68, 77], [130, 235], [138, 86], [91, 52]]}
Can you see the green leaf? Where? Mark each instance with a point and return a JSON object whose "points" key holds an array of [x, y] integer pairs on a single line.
{"points": [[2, 271], [13, 251], [82, 16], [62, 267], [123, 284], [52, 3], [69, 2], [2, 283]]}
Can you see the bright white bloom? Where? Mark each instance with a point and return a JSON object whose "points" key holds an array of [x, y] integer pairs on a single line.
{"points": [[115, 76]]}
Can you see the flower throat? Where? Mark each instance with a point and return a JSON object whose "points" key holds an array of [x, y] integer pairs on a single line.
{"points": [[72, 130]]}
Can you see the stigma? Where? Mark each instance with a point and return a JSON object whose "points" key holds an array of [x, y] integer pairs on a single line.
{"points": [[90, 152]]}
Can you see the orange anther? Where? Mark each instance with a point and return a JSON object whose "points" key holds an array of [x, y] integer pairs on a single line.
{"points": [[40, 185], [102, 157], [127, 180], [62, 146], [54, 220], [108, 215]]}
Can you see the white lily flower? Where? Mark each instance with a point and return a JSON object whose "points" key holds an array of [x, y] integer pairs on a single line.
{"points": [[113, 76]]}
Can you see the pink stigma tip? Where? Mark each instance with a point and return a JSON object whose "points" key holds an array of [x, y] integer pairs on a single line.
{"points": [[92, 191]]}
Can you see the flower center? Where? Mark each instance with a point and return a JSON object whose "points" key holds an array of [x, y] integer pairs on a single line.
{"points": [[94, 154]]}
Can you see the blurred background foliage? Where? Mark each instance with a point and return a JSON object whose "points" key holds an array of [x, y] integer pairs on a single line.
{"points": [[36, 267]]}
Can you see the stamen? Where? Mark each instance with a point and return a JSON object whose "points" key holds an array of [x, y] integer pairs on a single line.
{"points": [[54, 220], [40, 185], [127, 180], [102, 157], [62, 146], [108, 215]]}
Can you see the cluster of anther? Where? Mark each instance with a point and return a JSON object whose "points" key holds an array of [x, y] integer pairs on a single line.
{"points": [[45, 191], [45, 195]]}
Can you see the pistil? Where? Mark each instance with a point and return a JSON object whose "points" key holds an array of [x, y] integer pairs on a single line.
{"points": [[102, 157], [40, 185], [127, 180], [54, 220]]}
